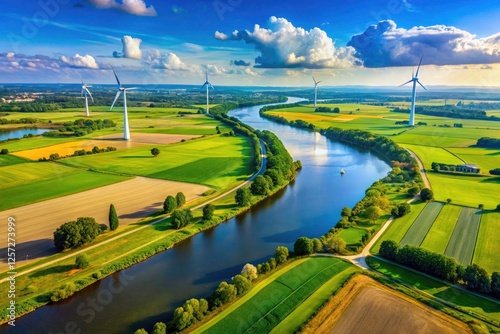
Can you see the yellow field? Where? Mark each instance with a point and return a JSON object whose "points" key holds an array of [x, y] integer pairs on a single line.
{"points": [[115, 140]]}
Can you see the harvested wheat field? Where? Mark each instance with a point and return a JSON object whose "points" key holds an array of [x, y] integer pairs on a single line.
{"points": [[114, 140], [364, 305], [133, 199]]}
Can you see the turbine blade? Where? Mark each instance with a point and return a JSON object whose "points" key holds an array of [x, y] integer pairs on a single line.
{"points": [[418, 68], [116, 98], [204, 85], [421, 85], [406, 83], [319, 81], [131, 88], [116, 77], [88, 91], [315, 82]]}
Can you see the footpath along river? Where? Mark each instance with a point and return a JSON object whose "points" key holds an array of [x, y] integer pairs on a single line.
{"points": [[149, 291]]}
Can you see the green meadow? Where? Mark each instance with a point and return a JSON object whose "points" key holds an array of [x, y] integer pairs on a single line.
{"points": [[418, 230], [438, 236], [31, 182], [487, 246], [214, 161], [7, 159]]}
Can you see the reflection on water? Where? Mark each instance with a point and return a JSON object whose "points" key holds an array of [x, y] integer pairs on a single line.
{"points": [[310, 206]]}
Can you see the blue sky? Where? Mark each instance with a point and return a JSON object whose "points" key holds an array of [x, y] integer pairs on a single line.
{"points": [[256, 42]]}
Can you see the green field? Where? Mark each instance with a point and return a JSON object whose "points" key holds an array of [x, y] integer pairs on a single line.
{"points": [[32, 182], [486, 159], [273, 303], [399, 226], [438, 236], [352, 235], [214, 161], [7, 159], [487, 246], [465, 190], [463, 239], [418, 230], [466, 301], [429, 154]]}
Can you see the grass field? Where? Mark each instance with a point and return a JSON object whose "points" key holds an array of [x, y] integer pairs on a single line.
{"points": [[214, 161], [463, 239], [32, 182], [352, 235], [486, 159], [8, 159], [465, 190], [466, 301], [438, 236], [399, 226], [429, 154], [277, 300], [418, 230], [487, 245]]}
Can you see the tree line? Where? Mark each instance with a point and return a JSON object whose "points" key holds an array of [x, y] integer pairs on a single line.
{"points": [[442, 266], [488, 142], [81, 127], [449, 112]]}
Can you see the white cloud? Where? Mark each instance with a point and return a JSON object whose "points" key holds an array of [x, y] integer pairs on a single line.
{"points": [[135, 7], [131, 47], [283, 45], [385, 45], [86, 61], [169, 61]]}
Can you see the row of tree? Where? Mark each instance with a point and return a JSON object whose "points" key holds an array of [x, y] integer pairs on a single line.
{"points": [[77, 153], [488, 142], [449, 111], [442, 266], [81, 127]]}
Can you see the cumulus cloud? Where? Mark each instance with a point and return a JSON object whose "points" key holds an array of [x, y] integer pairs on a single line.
{"points": [[283, 45], [240, 63], [384, 44], [131, 48], [15, 62], [169, 61], [86, 61], [134, 7]]}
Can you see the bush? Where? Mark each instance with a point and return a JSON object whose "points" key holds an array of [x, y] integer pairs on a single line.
{"points": [[64, 291], [260, 186], [303, 246], [401, 209], [155, 152], [413, 191], [180, 199], [181, 218], [242, 284], [77, 233], [346, 212], [243, 197], [208, 211], [426, 194], [82, 261], [250, 271], [4, 151], [281, 254]]}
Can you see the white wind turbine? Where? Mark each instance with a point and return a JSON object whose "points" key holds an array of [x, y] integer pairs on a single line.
{"points": [[414, 79], [86, 92], [208, 85], [126, 130], [315, 90]]}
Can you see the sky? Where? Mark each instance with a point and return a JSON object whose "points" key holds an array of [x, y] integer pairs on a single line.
{"points": [[251, 43]]}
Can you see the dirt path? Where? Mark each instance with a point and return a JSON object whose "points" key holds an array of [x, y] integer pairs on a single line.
{"points": [[422, 169]]}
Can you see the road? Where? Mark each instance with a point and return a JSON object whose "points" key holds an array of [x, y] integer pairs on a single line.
{"points": [[422, 169]]}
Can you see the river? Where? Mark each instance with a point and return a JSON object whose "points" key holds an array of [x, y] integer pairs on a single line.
{"points": [[19, 133], [149, 291]]}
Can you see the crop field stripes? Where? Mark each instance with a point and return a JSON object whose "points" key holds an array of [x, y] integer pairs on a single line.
{"points": [[438, 236], [421, 226], [463, 239]]}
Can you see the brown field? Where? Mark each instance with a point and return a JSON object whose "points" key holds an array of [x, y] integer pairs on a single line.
{"points": [[115, 140], [364, 305], [133, 199]]}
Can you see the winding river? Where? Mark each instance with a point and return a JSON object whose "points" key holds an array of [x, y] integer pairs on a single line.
{"points": [[149, 291]]}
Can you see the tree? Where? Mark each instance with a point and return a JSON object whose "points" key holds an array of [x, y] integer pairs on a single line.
{"points": [[373, 213], [180, 199], [413, 191], [448, 200], [426, 194], [243, 197], [113, 218], [141, 331], [303, 246], [181, 218], [159, 328], [480, 206], [260, 186], [317, 245], [250, 271], [495, 284], [498, 207], [281, 254], [223, 294], [155, 152], [401, 210], [334, 244], [346, 212], [4, 151], [477, 279], [208, 211], [82, 261], [170, 204], [275, 175], [242, 284], [389, 249], [77, 233]]}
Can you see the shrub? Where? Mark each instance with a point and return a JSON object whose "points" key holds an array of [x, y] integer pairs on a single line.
{"points": [[303, 246], [181, 218], [82, 261], [281, 254], [170, 204], [4, 151], [243, 197], [426, 194], [208, 211], [77, 233], [180, 199]]}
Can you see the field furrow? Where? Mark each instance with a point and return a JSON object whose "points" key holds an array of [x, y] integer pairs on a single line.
{"points": [[418, 230], [438, 236], [463, 238]]}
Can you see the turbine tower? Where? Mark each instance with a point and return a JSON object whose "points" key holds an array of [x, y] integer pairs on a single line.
{"points": [[315, 90], [207, 85], [126, 130], [414, 79], [86, 92]]}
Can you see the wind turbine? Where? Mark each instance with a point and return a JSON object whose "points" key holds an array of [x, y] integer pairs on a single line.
{"points": [[208, 85], [315, 90], [86, 92], [414, 79], [126, 130]]}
